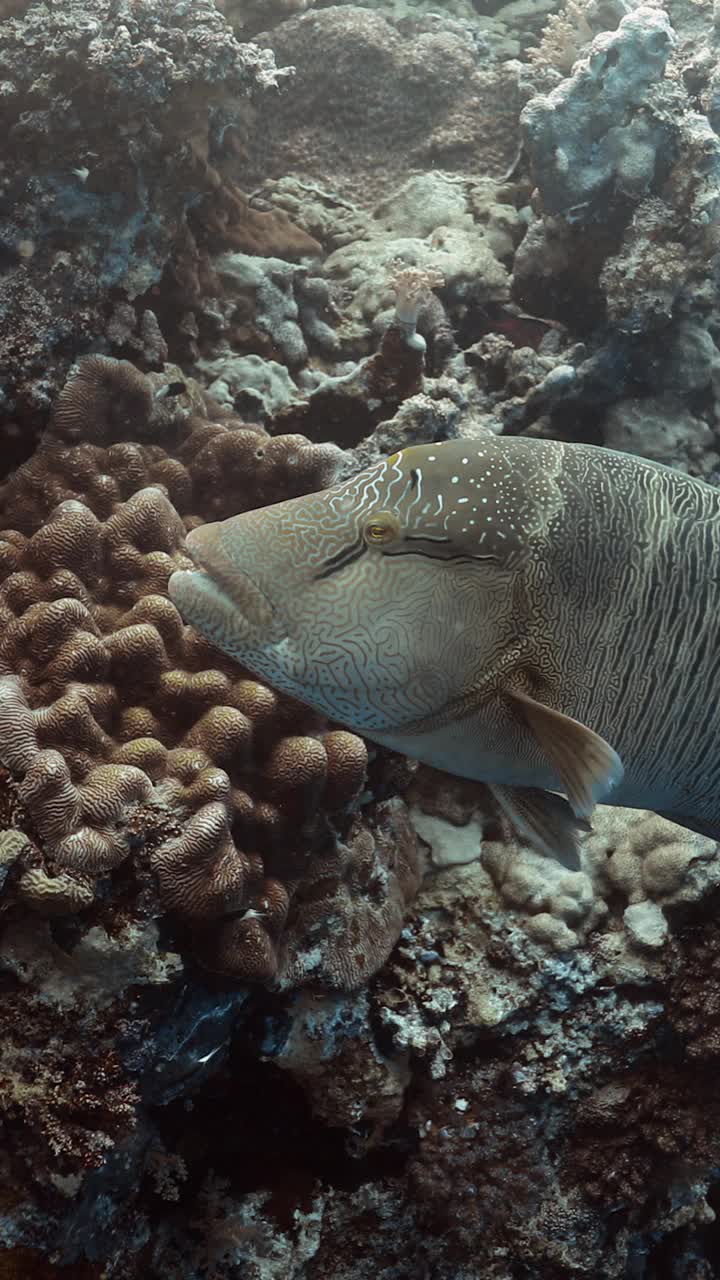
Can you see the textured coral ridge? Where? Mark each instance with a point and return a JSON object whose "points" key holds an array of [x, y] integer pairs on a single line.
{"points": [[124, 729]]}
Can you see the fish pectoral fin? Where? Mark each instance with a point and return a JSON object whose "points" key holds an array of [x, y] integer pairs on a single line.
{"points": [[545, 820], [586, 765]]}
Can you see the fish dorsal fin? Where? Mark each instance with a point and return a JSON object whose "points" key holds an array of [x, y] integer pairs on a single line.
{"points": [[545, 820], [586, 765]]}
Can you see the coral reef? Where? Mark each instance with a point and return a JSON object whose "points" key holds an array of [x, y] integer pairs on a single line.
{"points": [[108, 111], [241, 1036]]}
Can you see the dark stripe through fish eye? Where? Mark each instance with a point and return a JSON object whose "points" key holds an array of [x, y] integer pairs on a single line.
{"points": [[341, 559]]}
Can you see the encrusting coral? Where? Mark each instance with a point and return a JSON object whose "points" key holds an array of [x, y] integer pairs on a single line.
{"points": [[124, 730]]}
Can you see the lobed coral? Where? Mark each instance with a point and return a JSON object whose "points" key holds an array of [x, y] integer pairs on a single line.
{"points": [[123, 729]]}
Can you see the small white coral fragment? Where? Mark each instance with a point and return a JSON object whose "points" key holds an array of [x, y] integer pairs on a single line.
{"points": [[450, 845], [646, 925]]}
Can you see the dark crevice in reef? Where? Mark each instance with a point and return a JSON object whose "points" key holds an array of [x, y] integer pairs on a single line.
{"points": [[334, 416], [19, 437], [487, 8], [255, 1128], [669, 1258], [691, 919]]}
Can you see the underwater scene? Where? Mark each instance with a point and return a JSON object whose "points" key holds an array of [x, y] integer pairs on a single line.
{"points": [[359, 640]]}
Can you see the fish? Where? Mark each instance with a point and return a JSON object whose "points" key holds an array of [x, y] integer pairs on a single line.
{"points": [[541, 616]]}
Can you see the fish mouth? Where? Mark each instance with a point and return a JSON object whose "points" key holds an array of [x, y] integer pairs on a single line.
{"points": [[217, 592]]}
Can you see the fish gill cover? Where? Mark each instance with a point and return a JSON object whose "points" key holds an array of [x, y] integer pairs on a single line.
{"points": [[279, 1003]]}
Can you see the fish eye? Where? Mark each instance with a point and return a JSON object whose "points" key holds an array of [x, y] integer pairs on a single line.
{"points": [[381, 528]]}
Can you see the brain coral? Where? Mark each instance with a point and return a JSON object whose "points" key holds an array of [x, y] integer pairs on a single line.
{"points": [[125, 733]]}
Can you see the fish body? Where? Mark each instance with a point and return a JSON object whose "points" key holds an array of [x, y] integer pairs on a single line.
{"points": [[541, 616]]}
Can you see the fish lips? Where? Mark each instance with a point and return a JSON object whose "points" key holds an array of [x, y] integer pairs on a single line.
{"points": [[220, 598]]}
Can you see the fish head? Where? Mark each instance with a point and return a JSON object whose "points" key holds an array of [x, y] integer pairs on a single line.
{"points": [[370, 600]]}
